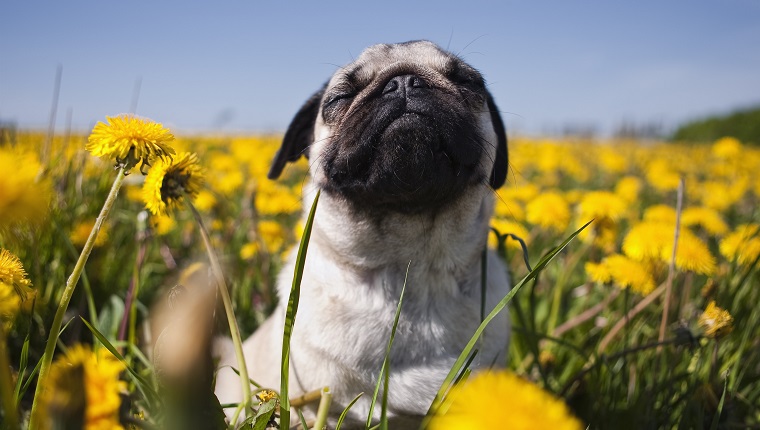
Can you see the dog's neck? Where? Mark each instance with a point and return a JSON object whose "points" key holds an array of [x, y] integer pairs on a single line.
{"points": [[449, 241]]}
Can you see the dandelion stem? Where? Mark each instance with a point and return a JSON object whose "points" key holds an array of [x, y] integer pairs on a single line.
{"points": [[71, 283], [324, 408], [640, 306], [234, 331], [672, 266]]}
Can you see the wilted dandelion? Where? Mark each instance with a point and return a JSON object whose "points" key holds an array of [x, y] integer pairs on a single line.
{"points": [[550, 211], [715, 321], [503, 400], [83, 389], [169, 182], [622, 271], [129, 140]]}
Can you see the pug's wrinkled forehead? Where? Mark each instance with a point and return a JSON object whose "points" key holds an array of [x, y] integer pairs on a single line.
{"points": [[379, 63]]}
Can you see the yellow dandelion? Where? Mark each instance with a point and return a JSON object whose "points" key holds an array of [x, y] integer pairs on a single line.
{"points": [[742, 245], [162, 224], [602, 204], [503, 400], [274, 199], [205, 201], [504, 227], [727, 148], [272, 234], [715, 321], [170, 181], [707, 218], [628, 188], [721, 195], [646, 240], [508, 208], [129, 140], [623, 272], [660, 213], [692, 255], [10, 302], [12, 274], [653, 241], [24, 198], [81, 232], [662, 176], [84, 387], [550, 211], [249, 250]]}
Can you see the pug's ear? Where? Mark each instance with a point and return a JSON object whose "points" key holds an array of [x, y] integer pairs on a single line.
{"points": [[299, 135], [501, 160]]}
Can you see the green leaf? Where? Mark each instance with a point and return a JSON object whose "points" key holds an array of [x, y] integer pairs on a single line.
{"points": [[458, 364], [144, 386], [343, 414], [385, 369], [264, 414], [290, 316]]}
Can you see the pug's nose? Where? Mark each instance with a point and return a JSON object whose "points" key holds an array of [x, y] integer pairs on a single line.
{"points": [[402, 84]]}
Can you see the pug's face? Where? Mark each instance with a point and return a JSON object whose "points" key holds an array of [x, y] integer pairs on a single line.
{"points": [[406, 128]]}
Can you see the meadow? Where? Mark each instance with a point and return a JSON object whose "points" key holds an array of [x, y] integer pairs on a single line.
{"points": [[648, 319]]}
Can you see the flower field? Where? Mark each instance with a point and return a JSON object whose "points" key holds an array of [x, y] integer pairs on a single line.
{"points": [[650, 318]]}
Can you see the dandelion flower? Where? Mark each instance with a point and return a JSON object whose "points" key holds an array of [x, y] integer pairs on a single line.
{"points": [[129, 140], [606, 209], [716, 322], [707, 218], [549, 211], [623, 272], [602, 204], [272, 234], [742, 245], [506, 227], [24, 199], [628, 188], [726, 148], [92, 374], [662, 176], [503, 400], [12, 274], [653, 241], [81, 233], [692, 255], [9, 302], [170, 181], [660, 213]]}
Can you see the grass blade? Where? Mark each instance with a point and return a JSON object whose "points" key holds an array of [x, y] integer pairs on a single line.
{"points": [[343, 414], [140, 381], [290, 316], [458, 364], [385, 369]]}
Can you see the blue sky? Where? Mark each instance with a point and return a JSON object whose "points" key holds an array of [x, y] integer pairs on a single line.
{"points": [[248, 65]]}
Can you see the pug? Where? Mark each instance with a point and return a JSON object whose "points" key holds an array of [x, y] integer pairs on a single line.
{"points": [[407, 147]]}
